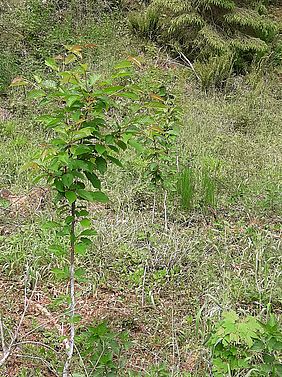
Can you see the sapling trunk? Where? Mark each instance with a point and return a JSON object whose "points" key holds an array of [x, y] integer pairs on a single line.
{"points": [[165, 211], [154, 206], [70, 343]]}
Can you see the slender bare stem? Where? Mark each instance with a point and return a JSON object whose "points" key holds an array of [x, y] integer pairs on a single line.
{"points": [[154, 207], [165, 211], [4, 348], [8, 350], [143, 286], [70, 344], [43, 361], [190, 65]]}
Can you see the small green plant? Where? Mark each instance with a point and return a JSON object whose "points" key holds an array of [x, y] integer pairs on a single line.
{"points": [[246, 345], [159, 131], [102, 349]]}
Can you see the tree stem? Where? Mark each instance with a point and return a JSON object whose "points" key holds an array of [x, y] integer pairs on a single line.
{"points": [[70, 343]]}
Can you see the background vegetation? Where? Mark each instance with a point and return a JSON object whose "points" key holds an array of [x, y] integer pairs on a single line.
{"points": [[155, 285]]}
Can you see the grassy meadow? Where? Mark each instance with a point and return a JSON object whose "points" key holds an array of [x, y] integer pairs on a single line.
{"points": [[214, 242]]}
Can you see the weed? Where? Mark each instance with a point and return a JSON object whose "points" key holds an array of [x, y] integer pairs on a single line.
{"points": [[103, 349]]}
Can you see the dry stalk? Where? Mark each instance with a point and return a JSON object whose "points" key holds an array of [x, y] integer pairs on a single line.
{"points": [[7, 350]]}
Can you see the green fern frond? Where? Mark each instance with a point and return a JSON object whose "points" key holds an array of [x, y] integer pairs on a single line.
{"points": [[172, 7], [225, 4], [185, 20], [249, 44], [248, 18], [210, 37]]}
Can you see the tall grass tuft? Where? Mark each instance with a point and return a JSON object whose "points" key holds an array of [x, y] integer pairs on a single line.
{"points": [[186, 188], [215, 71], [147, 24], [208, 188]]}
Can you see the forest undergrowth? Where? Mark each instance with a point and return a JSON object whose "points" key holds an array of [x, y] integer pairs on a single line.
{"points": [[167, 261]]}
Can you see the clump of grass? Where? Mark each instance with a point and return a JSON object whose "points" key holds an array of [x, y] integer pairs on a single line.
{"points": [[186, 188], [215, 72], [145, 24], [208, 187]]}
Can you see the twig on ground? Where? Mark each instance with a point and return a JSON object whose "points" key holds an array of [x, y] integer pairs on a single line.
{"points": [[184, 58]]}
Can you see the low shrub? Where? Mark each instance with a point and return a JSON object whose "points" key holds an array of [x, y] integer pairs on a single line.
{"points": [[246, 345]]}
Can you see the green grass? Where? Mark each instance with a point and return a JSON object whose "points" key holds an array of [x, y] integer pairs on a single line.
{"points": [[165, 287]]}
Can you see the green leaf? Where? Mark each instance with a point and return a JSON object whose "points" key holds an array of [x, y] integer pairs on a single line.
{"points": [[49, 84], [82, 133], [122, 74], [85, 223], [274, 345], [67, 179], [121, 144], [94, 78], [76, 319], [71, 196], [115, 161], [59, 185], [88, 232], [81, 149], [101, 164], [58, 142], [112, 89], [83, 212], [230, 316], [100, 148], [123, 64], [136, 145], [69, 219], [50, 120], [51, 225], [37, 93], [129, 95], [79, 273], [91, 196], [19, 81], [83, 165], [93, 179], [50, 62], [61, 273], [80, 248], [114, 148], [72, 99], [57, 250], [99, 196], [70, 58]]}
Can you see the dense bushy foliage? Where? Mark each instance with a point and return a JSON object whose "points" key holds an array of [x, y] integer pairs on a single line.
{"points": [[205, 28]]}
